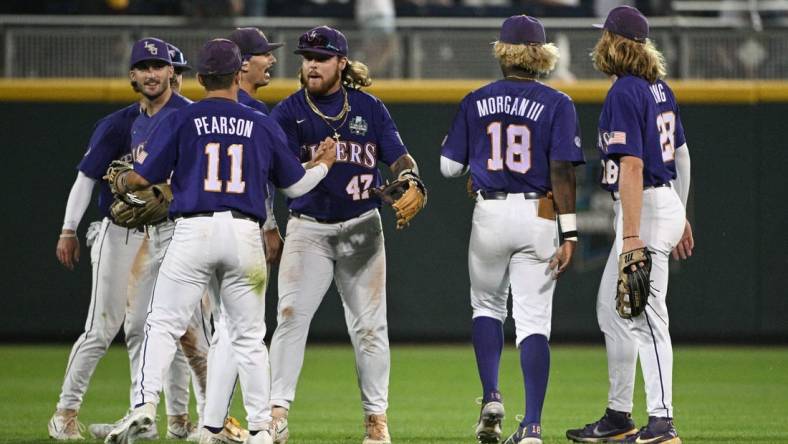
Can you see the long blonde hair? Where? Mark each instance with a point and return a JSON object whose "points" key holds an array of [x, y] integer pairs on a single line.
{"points": [[537, 59], [618, 55], [356, 75]]}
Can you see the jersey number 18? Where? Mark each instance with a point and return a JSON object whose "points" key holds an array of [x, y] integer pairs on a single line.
{"points": [[518, 148]]}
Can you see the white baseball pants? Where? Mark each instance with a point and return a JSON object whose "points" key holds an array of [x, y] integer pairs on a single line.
{"points": [[352, 253], [646, 336], [202, 247], [511, 246]]}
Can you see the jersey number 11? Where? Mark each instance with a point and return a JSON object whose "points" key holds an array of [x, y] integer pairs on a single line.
{"points": [[235, 185]]}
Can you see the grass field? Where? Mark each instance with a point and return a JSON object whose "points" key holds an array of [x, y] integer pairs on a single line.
{"points": [[721, 394]]}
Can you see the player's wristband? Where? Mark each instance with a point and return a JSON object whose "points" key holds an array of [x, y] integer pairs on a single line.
{"points": [[567, 223], [68, 235]]}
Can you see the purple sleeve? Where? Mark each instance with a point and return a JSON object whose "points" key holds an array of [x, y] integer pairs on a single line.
{"points": [[287, 124], [102, 149], [389, 141], [285, 168], [624, 132], [565, 142], [455, 144], [156, 160]]}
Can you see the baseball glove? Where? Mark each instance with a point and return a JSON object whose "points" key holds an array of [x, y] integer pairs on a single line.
{"points": [[116, 176], [634, 283], [407, 196], [152, 205]]}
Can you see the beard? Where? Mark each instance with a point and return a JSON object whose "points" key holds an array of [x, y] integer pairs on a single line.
{"points": [[320, 86], [156, 94]]}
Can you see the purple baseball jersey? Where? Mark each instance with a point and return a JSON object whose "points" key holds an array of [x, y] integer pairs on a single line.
{"points": [[221, 155], [642, 120], [245, 99], [368, 135], [144, 124], [508, 132], [111, 140]]}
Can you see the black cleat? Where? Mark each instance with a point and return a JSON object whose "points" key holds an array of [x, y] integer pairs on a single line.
{"points": [[614, 426], [658, 430]]}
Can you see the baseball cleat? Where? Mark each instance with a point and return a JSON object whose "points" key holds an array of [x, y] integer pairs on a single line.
{"points": [[261, 437], [488, 429], [179, 427], [613, 426], [530, 434], [377, 429], [133, 426], [658, 430], [100, 431], [64, 426], [279, 430]]}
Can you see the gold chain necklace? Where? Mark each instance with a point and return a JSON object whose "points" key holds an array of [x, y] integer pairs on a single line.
{"points": [[327, 119], [516, 77]]}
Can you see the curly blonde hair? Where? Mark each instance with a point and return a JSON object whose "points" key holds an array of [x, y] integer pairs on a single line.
{"points": [[537, 59], [618, 55], [356, 75]]}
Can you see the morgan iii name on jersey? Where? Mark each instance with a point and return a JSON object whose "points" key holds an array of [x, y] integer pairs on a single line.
{"points": [[367, 135], [111, 140], [221, 155], [642, 120], [508, 132]]}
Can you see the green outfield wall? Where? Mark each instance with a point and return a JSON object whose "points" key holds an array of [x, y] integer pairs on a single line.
{"points": [[728, 291]]}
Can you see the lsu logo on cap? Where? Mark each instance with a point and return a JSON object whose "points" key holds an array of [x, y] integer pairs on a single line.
{"points": [[152, 49]]}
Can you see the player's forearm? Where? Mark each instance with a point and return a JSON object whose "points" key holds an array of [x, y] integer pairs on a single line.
{"points": [[404, 163], [630, 188], [562, 178], [310, 180], [78, 201], [682, 182], [452, 168], [134, 182]]}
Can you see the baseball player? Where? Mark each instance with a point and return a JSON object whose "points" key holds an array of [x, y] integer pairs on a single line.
{"points": [[220, 155], [646, 168], [520, 140], [334, 231], [258, 59], [113, 254]]}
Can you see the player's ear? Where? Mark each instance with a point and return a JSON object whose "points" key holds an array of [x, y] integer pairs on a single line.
{"points": [[342, 63], [200, 80], [132, 77], [245, 66]]}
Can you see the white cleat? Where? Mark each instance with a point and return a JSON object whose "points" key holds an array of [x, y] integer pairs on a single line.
{"points": [[279, 430], [133, 426], [208, 437], [64, 426], [488, 430], [377, 429], [179, 427], [100, 431], [261, 437]]}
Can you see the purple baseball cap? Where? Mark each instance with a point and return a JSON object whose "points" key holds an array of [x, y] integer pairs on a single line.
{"points": [[219, 56], [149, 48], [252, 41], [178, 59], [628, 22], [522, 30], [322, 40]]}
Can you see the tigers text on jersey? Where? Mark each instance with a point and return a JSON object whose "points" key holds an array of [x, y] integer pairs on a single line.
{"points": [[111, 140], [367, 135], [642, 120], [508, 132], [222, 154]]}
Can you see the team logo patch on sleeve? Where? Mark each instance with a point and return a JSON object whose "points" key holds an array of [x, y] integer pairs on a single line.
{"points": [[358, 126]]}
